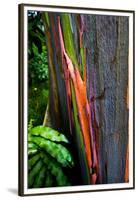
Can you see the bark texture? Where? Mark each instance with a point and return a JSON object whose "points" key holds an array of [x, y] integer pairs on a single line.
{"points": [[107, 67], [105, 39]]}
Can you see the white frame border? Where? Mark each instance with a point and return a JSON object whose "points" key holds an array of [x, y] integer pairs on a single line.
{"points": [[84, 188]]}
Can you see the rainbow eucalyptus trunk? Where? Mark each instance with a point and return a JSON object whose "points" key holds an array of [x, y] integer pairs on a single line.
{"points": [[88, 69]]}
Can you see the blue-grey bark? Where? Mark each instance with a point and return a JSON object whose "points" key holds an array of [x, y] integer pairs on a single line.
{"points": [[106, 40]]}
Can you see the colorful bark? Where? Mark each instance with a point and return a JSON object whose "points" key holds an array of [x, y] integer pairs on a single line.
{"points": [[89, 62]]}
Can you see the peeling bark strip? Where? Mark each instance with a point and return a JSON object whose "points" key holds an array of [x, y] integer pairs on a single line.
{"points": [[84, 113]]}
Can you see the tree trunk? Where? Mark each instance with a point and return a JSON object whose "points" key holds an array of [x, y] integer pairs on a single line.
{"points": [[99, 43], [110, 71]]}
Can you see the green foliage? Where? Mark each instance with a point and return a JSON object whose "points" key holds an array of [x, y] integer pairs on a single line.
{"points": [[38, 98], [37, 53], [46, 166], [30, 125], [32, 149], [48, 133], [33, 173], [41, 178], [36, 34], [56, 170], [33, 160], [38, 77], [32, 152], [38, 66]]}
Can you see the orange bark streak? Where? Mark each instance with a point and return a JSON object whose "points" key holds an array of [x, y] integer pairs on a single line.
{"points": [[82, 102], [83, 108], [127, 167]]}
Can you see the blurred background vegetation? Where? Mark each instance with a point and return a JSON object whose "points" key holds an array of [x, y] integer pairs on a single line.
{"points": [[38, 77]]}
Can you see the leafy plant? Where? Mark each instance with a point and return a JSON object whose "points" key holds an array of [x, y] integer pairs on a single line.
{"points": [[38, 77], [35, 32], [48, 158], [30, 125], [38, 66], [38, 97]]}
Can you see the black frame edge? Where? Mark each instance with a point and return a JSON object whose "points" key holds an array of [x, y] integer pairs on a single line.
{"points": [[20, 100], [133, 99]]}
